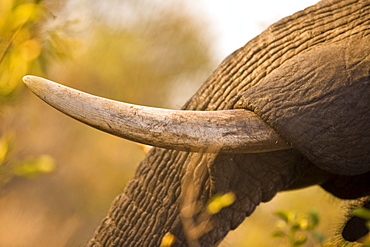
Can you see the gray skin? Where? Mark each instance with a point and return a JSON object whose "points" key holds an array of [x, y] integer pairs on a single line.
{"points": [[308, 77]]}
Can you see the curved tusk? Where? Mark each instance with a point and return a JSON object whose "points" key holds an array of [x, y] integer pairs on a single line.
{"points": [[226, 131]]}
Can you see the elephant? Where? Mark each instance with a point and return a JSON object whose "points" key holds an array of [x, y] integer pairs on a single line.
{"points": [[288, 110]]}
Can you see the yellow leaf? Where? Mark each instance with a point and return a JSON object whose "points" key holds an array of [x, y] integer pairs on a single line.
{"points": [[303, 223], [22, 35], [167, 240], [46, 164], [33, 167], [228, 199], [22, 14], [5, 10], [144, 148], [13, 68], [4, 148], [30, 49], [214, 207], [219, 202]]}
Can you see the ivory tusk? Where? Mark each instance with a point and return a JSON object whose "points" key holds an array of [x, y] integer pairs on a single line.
{"points": [[226, 131]]}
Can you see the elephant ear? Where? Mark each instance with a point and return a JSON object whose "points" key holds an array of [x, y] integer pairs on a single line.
{"points": [[320, 102]]}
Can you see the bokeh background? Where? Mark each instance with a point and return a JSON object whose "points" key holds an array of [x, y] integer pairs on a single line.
{"points": [[58, 176]]}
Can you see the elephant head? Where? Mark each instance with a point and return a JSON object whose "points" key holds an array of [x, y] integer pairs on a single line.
{"points": [[288, 110]]}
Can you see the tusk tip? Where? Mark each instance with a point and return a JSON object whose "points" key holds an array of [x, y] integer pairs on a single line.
{"points": [[30, 79], [37, 84]]}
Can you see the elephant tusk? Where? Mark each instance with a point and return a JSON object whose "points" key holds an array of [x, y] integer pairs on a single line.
{"points": [[226, 131]]}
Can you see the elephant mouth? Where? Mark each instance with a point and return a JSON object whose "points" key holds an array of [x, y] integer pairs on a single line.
{"points": [[225, 131]]}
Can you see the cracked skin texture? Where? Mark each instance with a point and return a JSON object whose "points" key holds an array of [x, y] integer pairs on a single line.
{"points": [[319, 101], [308, 77]]}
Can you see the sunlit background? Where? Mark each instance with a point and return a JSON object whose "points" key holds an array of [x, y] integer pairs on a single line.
{"points": [[58, 177]]}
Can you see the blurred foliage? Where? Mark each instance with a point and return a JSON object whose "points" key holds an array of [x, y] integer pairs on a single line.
{"points": [[33, 167], [19, 49], [30, 167], [136, 60], [257, 228], [364, 213], [146, 52], [25, 46], [142, 63], [196, 216], [20, 53], [295, 227]]}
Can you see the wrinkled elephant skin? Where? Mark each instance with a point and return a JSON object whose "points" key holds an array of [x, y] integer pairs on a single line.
{"points": [[306, 76]]}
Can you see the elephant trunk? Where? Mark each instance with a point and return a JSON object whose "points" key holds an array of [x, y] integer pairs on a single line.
{"points": [[170, 192], [156, 203], [147, 209]]}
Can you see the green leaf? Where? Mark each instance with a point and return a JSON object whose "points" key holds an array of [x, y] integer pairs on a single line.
{"points": [[362, 213], [282, 215], [296, 226], [281, 224], [318, 237], [33, 167], [314, 218], [367, 244], [278, 234], [301, 239]]}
